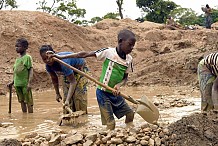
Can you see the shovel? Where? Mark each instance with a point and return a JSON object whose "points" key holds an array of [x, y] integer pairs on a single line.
{"points": [[145, 108], [10, 98]]}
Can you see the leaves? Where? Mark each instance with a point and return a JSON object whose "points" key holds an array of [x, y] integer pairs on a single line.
{"points": [[157, 10], [64, 9], [8, 3]]}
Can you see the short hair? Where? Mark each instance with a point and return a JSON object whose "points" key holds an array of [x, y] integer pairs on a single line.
{"points": [[45, 48], [125, 34], [23, 42], [207, 6]]}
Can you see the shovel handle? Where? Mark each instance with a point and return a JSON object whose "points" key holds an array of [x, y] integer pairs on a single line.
{"points": [[94, 80], [10, 97]]}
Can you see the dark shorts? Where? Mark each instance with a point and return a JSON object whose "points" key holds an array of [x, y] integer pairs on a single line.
{"points": [[23, 95], [110, 104]]}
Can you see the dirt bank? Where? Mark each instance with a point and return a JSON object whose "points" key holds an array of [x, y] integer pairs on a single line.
{"points": [[166, 57]]}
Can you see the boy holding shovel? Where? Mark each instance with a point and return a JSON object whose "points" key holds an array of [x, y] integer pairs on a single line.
{"points": [[117, 63], [23, 74]]}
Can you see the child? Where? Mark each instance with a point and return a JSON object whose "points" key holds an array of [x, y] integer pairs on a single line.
{"points": [[208, 81], [116, 66], [23, 74], [74, 85]]}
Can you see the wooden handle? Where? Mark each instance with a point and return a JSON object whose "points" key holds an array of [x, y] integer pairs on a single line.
{"points": [[10, 97], [96, 81]]}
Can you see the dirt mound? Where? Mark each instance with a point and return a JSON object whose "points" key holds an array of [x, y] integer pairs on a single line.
{"points": [[197, 129], [165, 57]]}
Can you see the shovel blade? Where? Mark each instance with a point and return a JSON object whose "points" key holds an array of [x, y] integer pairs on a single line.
{"points": [[150, 112]]}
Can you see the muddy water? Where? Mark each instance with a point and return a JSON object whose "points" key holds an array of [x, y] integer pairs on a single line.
{"points": [[47, 111]]}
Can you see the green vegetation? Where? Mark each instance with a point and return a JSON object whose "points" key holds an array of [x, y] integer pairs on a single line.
{"points": [[8, 4], [152, 10], [64, 9]]}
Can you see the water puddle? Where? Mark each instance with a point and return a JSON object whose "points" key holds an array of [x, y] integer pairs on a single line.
{"points": [[173, 103]]}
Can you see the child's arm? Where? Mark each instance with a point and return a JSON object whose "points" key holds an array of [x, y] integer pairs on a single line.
{"points": [[72, 88], [30, 72], [82, 54], [55, 83]]}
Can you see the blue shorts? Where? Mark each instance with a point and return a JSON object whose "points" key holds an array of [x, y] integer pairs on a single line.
{"points": [[110, 104]]}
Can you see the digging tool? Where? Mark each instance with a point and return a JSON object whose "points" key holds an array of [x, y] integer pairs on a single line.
{"points": [[10, 97], [145, 108], [71, 116]]}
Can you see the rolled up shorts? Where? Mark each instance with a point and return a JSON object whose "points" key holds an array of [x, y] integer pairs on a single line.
{"points": [[23, 95], [109, 105], [206, 79]]}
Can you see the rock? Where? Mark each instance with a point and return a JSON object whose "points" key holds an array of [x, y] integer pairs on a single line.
{"points": [[144, 126], [120, 135], [151, 142], [173, 136], [161, 134], [144, 142], [157, 141], [147, 129], [55, 140], [91, 136], [72, 132], [88, 143], [153, 127], [98, 142], [209, 134], [26, 144], [105, 139], [116, 140], [73, 139], [46, 136], [31, 135], [166, 131], [130, 139]]}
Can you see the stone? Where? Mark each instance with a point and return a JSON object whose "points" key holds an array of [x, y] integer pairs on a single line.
{"points": [[130, 139], [91, 136], [73, 139], [144, 142], [151, 142], [88, 143], [55, 140], [157, 141], [116, 140]]}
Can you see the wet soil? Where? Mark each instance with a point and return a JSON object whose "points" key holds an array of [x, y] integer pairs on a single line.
{"points": [[47, 112]]}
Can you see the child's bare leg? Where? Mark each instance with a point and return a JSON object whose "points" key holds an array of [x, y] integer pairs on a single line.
{"points": [[23, 107], [30, 108], [129, 117], [111, 125]]}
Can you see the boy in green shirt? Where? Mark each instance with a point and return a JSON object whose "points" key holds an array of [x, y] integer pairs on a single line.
{"points": [[23, 74], [117, 63]]}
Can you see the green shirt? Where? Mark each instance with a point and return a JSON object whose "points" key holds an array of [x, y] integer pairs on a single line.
{"points": [[114, 67], [21, 70]]}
